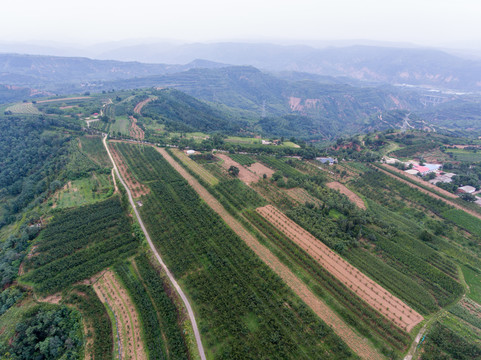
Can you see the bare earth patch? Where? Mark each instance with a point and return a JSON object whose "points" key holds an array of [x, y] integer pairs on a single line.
{"points": [[135, 131], [358, 344], [379, 298], [351, 195], [110, 291], [135, 187], [261, 169], [51, 299], [140, 105], [245, 175]]}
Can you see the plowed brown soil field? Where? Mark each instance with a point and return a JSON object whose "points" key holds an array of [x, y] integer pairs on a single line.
{"points": [[245, 175], [358, 344], [140, 105], [135, 131], [375, 295], [135, 187], [261, 169], [110, 291], [344, 190]]}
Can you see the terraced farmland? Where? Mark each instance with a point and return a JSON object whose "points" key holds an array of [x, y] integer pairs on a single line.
{"points": [[162, 336], [244, 310], [79, 243], [196, 168], [380, 299], [24, 108], [355, 342], [302, 196], [135, 187], [97, 324], [127, 325], [349, 193], [245, 175]]}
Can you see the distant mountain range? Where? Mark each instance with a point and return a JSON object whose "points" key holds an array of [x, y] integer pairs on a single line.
{"points": [[335, 91], [63, 73], [248, 88], [423, 67], [392, 65]]}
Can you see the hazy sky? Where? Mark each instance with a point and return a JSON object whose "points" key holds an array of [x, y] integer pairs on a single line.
{"points": [[427, 22]]}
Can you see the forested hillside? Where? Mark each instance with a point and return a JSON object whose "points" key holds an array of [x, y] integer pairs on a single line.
{"points": [[341, 256], [31, 156]]}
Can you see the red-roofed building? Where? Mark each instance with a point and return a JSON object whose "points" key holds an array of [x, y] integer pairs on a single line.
{"points": [[423, 170]]}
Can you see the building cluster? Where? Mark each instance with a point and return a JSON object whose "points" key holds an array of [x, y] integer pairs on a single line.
{"points": [[422, 169], [326, 160], [415, 168]]}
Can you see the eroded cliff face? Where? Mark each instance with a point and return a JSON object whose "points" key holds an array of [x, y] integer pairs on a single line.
{"points": [[342, 104]]}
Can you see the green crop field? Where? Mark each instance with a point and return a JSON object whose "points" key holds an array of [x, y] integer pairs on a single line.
{"points": [[464, 220], [473, 279], [469, 156], [121, 124], [406, 248], [223, 277], [242, 159], [242, 140], [83, 191], [280, 165], [78, 243], [23, 108], [290, 144], [94, 148], [195, 167]]}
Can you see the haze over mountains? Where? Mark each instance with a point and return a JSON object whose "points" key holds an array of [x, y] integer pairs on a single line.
{"points": [[373, 64], [312, 92]]}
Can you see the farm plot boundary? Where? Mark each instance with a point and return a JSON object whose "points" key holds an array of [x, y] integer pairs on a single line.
{"points": [[353, 340], [379, 298]]}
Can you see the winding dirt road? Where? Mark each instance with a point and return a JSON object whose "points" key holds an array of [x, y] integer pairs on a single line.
{"points": [[159, 259]]}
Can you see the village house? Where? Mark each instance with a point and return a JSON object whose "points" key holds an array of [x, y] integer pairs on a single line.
{"points": [[326, 160], [466, 189]]}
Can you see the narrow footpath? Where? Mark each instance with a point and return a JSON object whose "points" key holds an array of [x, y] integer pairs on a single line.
{"points": [[159, 259]]}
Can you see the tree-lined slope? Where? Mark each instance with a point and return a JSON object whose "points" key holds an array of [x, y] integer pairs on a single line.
{"points": [[390, 306], [79, 243], [245, 311]]}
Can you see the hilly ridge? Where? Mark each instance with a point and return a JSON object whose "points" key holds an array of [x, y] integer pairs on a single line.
{"points": [[414, 66], [279, 107], [56, 73], [309, 105]]}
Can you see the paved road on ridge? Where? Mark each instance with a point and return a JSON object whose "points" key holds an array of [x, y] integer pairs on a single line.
{"points": [[159, 259]]}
